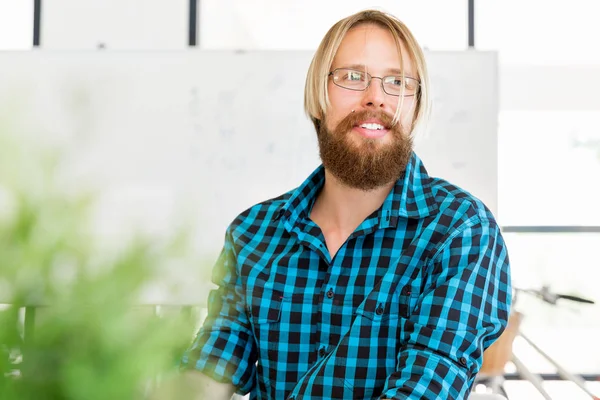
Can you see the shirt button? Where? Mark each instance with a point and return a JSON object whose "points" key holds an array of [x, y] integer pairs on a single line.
{"points": [[463, 361], [322, 352], [330, 294], [379, 310]]}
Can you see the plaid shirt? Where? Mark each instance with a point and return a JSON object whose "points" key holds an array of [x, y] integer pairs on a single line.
{"points": [[403, 310]]}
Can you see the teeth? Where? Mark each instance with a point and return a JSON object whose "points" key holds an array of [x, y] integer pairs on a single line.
{"points": [[372, 126]]}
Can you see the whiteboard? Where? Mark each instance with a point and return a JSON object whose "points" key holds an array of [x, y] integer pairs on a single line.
{"points": [[202, 135]]}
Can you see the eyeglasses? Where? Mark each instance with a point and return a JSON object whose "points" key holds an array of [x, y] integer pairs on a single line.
{"points": [[394, 85]]}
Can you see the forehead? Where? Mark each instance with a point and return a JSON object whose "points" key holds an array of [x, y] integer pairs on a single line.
{"points": [[374, 48]]}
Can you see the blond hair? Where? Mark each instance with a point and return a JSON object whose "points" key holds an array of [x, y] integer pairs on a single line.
{"points": [[316, 96]]}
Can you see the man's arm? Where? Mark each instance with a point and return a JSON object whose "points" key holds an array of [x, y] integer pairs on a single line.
{"points": [[224, 348], [193, 385], [207, 388], [463, 310]]}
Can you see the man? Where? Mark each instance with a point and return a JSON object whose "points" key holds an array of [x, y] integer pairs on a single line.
{"points": [[372, 279]]}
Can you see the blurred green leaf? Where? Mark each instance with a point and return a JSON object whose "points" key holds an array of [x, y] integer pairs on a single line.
{"points": [[92, 340]]}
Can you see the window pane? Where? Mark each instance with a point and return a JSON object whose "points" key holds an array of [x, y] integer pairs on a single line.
{"points": [[568, 332], [115, 24], [549, 168], [16, 25], [300, 25], [523, 390], [539, 31]]}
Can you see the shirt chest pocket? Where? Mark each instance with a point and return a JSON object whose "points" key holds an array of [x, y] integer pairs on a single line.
{"points": [[264, 306], [408, 301], [399, 305]]}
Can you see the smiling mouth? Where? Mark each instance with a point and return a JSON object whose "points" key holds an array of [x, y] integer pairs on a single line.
{"points": [[371, 130], [372, 126]]}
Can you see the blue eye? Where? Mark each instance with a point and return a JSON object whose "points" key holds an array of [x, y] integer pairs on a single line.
{"points": [[355, 76], [394, 81], [397, 82]]}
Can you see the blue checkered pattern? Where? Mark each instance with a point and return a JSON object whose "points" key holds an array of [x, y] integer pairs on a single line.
{"points": [[404, 310]]}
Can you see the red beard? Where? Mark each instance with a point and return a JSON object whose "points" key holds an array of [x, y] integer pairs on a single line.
{"points": [[369, 164]]}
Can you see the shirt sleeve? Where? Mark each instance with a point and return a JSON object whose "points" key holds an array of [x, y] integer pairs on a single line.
{"points": [[462, 311], [224, 347]]}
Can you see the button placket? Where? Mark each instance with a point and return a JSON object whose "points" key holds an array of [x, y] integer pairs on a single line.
{"points": [[326, 310], [322, 351]]}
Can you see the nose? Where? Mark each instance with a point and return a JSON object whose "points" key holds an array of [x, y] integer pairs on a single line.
{"points": [[374, 95]]}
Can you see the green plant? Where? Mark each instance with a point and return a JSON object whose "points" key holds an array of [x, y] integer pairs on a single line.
{"points": [[92, 340]]}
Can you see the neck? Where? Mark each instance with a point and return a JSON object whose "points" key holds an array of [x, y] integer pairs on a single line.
{"points": [[342, 208]]}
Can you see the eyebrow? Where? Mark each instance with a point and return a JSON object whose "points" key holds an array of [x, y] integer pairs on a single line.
{"points": [[362, 67]]}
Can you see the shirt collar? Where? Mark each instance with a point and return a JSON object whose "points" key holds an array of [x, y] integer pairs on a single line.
{"points": [[411, 196]]}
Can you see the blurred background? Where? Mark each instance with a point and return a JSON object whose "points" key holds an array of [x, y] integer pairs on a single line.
{"points": [[548, 123]]}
